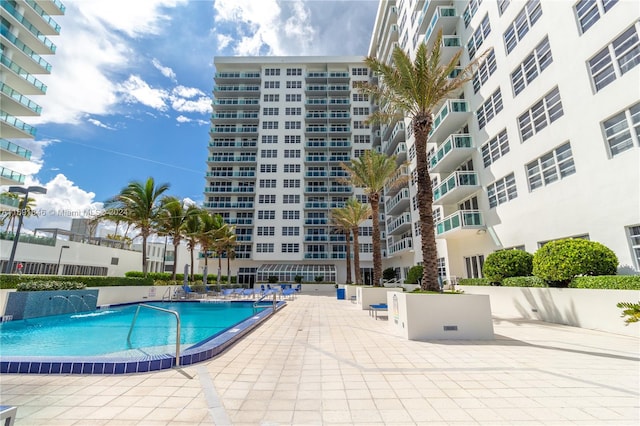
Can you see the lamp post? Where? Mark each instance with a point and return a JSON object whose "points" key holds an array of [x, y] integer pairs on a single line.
{"points": [[60, 258], [16, 237]]}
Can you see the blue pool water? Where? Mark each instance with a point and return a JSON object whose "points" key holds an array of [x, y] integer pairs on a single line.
{"points": [[104, 332]]}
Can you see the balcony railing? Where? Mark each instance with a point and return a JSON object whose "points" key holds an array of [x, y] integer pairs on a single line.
{"points": [[15, 149], [25, 49], [451, 108], [11, 175], [23, 73], [12, 121], [460, 143], [403, 244], [33, 30], [238, 159], [20, 98], [318, 255], [458, 220], [44, 15], [454, 181]]}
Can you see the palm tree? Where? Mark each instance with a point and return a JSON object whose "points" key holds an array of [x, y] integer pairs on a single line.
{"points": [[225, 243], [415, 89], [350, 217], [192, 231], [27, 210], [138, 204], [373, 171], [172, 222]]}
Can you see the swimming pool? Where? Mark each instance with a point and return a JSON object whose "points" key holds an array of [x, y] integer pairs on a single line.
{"points": [[97, 343]]}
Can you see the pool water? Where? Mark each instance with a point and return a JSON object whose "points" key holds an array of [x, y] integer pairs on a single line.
{"points": [[104, 332]]}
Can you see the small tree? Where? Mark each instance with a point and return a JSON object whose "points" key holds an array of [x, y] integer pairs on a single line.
{"points": [[414, 274], [389, 274], [319, 278], [506, 264]]}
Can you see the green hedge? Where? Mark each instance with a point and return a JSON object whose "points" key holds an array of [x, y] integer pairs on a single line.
{"points": [[613, 282], [523, 282], [507, 263], [12, 280], [474, 281], [49, 285], [414, 274], [166, 276]]}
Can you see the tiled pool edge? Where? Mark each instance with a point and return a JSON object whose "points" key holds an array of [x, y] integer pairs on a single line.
{"points": [[103, 365]]}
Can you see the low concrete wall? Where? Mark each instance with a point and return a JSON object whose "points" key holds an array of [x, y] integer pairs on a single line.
{"points": [[592, 309], [34, 304], [131, 294], [366, 296]]}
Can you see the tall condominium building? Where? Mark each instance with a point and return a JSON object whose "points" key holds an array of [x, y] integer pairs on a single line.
{"points": [[24, 41], [542, 144], [281, 127]]}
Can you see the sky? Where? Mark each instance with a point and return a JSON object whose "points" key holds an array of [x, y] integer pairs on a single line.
{"points": [[129, 95]]}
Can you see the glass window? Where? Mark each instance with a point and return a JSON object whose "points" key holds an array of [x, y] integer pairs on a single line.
{"points": [[550, 167]]}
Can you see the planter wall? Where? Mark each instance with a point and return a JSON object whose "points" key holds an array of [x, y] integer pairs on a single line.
{"points": [[578, 307], [366, 296], [33, 304], [417, 316]]}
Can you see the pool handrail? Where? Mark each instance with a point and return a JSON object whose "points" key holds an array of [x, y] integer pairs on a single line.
{"points": [[177, 315]]}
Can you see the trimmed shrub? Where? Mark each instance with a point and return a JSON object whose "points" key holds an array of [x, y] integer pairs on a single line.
{"points": [[49, 285], [389, 274], [524, 282], [319, 278], [298, 279], [8, 281], [612, 282], [558, 262], [474, 281], [507, 263], [414, 274], [273, 279], [165, 276]]}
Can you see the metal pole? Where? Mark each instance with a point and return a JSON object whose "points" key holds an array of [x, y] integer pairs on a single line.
{"points": [[16, 236]]}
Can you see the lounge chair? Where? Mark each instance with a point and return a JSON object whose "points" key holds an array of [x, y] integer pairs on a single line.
{"points": [[289, 293], [247, 292], [380, 307], [227, 292]]}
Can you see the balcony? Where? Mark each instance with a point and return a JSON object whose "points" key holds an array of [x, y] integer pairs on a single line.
{"points": [[236, 88], [403, 245], [458, 222], [52, 7], [316, 189], [340, 158], [9, 202], [237, 77], [221, 144], [11, 127], [33, 36], [340, 189], [453, 114], [20, 79], [316, 129], [316, 116], [235, 116], [338, 89], [428, 9], [227, 205], [338, 255], [401, 152], [316, 206], [316, 174], [451, 153], [398, 203], [316, 76], [315, 159], [13, 152], [236, 103], [390, 190], [316, 238], [239, 221], [16, 104], [340, 144], [41, 19], [316, 255], [339, 102], [229, 189], [444, 19], [237, 130], [232, 159], [228, 174], [317, 102], [339, 130], [456, 187], [335, 76], [340, 116], [316, 221], [31, 61], [400, 224], [316, 89], [9, 177]]}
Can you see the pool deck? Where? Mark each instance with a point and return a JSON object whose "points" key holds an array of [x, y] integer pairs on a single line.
{"points": [[324, 361]]}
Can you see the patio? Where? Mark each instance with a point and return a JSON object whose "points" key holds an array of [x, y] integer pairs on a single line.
{"points": [[324, 361]]}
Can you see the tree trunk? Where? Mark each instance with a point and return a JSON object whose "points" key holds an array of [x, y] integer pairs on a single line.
{"points": [[144, 254], [192, 279], [348, 254], [228, 268], [175, 260], [374, 200], [421, 128], [356, 256]]}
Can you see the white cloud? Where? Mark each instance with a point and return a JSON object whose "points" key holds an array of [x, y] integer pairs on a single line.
{"points": [[266, 27], [166, 71], [183, 119], [201, 105], [99, 123], [224, 40], [135, 89], [187, 92]]}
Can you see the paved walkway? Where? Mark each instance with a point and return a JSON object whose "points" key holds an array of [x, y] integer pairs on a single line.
{"points": [[323, 361]]}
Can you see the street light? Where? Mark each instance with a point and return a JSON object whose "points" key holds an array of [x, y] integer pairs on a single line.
{"points": [[16, 237], [60, 258]]}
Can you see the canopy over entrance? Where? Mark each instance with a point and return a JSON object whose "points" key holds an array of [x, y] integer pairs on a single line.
{"points": [[287, 272]]}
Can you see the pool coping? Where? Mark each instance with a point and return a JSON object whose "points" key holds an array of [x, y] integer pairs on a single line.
{"points": [[201, 351]]}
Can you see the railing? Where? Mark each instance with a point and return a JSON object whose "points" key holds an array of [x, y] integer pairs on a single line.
{"points": [[168, 293], [20, 98], [452, 142], [23, 73], [275, 301], [459, 219], [135, 317], [455, 180], [16, 149]]}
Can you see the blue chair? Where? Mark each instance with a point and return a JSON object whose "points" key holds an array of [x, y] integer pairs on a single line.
{"points": [[227, 292], [374, 309], [298, 288]]}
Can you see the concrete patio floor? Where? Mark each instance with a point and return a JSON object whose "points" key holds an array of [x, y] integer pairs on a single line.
{"points": [[324, 361]]}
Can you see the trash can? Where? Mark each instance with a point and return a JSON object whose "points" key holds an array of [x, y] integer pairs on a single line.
{"points": [[340, 293]]}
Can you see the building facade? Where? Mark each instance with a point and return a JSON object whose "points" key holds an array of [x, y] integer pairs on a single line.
{"points": [[25, 41], [281, 127], [542, 144]]}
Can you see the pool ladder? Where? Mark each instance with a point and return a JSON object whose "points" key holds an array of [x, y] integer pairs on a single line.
{"points": [[177, 315]]}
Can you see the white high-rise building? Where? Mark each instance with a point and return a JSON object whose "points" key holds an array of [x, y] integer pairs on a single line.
{"points": [[543, 144], [25, 33], [281, 127]]}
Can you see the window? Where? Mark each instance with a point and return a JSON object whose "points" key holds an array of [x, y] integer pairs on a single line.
{"points": [[266, 214], [489, 109], [266, 231], [292, 183], [271, 98], [360, 125], [528, 16], [473, 265], [293, 111], [485, 69], [360, 97], [268, 168], [293, 98], [269, 125], [269, 138], [269, 153], [470, 11], [616, 59], [267, 183], [531, 67], [502, 190], [497, 147], [544, 112], [272, 71], [290, 231], [294, 85], [292, 168], [291, 153], [360, 71], [271, 84], [361, 139], [478, 37], [292, 125], [502, 5], [551, 167], [292, 139], [271, 111], [589, 11], [264, 247], [294, 71], [290, 198], [360, 111], [290, 214], [266, 199], [290, 247], [442, 267], [634, 242], [622, 131]]}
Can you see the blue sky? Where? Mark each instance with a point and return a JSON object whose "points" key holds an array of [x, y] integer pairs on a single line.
{"points": [[130, 91]]}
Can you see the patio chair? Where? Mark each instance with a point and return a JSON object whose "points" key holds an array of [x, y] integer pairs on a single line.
{"points": [[248, 292], [380, 307], [298, 288], [237, 292], [289, 293], [227, 292]]}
